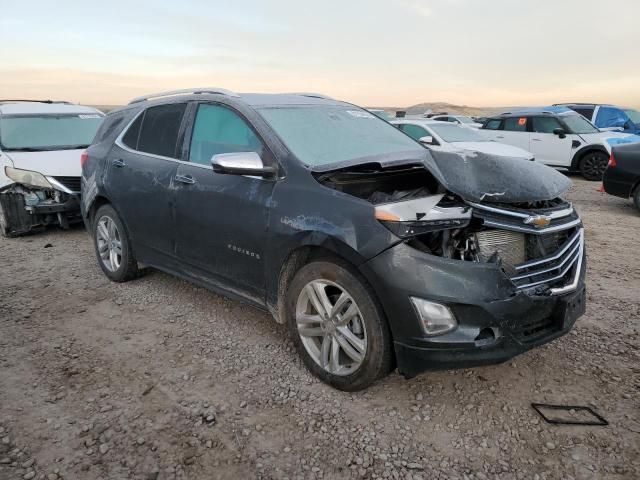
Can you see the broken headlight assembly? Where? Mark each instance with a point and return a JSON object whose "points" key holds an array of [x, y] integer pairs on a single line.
{"points": [[422, 215], [27, 177]]}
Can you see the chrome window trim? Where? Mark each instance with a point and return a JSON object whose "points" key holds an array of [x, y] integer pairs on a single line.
{"points": [[121, 145]]}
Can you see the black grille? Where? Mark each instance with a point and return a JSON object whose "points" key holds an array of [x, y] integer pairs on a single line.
{"points": [[532, 331], [72, 183]]}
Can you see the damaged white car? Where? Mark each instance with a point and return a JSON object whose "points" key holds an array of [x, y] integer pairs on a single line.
{"points": [[41, 145]]}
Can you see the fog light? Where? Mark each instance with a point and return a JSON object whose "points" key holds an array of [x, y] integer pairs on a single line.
{"points": [[436, 318]]}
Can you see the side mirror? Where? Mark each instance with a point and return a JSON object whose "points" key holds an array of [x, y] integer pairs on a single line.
{"points": [[241, 163], [428, 140], [560, 132]]}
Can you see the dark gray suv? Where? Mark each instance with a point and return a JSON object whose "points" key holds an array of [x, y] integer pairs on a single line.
{"points": [[374, 251]]}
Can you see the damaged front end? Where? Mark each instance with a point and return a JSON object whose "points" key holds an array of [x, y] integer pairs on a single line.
{"points": [[34, 202], [506, 266]]}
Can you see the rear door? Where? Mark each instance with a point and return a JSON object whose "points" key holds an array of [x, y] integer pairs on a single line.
{"points": [[514, 131], [548, 147], [222, 219], [140, 177]]}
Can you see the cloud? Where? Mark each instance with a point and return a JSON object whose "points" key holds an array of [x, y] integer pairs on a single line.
{"points": [[419, 7]]}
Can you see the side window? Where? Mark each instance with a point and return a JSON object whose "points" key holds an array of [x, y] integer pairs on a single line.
{"points": [[586, 112], [130, 139], [218, 129], [160, 128], [414, 131], [493, 124], [515, 124], [545, 124]]}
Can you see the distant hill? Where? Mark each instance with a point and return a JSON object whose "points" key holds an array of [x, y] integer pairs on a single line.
{"points": [[437, 107]]}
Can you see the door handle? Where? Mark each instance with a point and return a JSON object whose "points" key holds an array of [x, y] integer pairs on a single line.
{"points": [[536, 139], [187, 179], [118, 163], [499, 136]]}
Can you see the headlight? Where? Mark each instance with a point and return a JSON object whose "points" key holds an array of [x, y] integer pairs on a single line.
{"points": [[27, 177]]}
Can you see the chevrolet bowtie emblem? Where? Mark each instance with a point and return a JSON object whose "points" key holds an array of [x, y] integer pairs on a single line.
{"points": [[538, 221]]}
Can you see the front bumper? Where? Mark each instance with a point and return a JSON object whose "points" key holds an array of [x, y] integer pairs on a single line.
{"points": [[495, 322]]}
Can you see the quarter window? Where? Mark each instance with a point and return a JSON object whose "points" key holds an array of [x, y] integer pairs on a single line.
{"points": [[218, 130], [493, 125], [515, 124], [130, 138], [545, 124]]}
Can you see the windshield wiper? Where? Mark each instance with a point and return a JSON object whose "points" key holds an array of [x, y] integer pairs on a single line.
{"points": [[26, 149], [79, 146]]}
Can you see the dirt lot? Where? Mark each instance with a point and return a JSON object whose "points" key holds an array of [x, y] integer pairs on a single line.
{"points": [[158, 379]]}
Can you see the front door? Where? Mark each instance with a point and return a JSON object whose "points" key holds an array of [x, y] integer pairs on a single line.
{"points": [[141, 169], [546, 146], [222, 219]]}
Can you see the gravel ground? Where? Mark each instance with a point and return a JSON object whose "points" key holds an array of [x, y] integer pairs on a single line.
{"points": [[158, 379]]}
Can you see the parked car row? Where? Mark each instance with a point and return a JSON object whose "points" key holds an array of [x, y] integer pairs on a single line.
{"points": [[40, 148]]}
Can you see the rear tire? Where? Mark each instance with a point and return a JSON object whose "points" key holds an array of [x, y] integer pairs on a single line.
{"points": [[4, 226], [593, 164], [338, 326], [112, 245], [636, 198]]}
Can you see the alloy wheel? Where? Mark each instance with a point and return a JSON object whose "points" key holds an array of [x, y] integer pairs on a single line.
{"points": [[593, 166], [331, 327], [109, 243]]}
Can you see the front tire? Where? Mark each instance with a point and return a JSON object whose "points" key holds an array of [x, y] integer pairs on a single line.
{"points": [[338, 326], [593, 164], [112, 245]]}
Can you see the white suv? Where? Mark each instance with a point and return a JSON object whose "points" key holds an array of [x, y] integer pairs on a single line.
{"points": [[558, 137], [41, 144]]}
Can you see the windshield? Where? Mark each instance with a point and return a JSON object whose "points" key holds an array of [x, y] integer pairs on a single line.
{"points": [[465, 119], [453, 133], [47, 132], [634, 116], [578, 124], [324, 135], [382, 114]]}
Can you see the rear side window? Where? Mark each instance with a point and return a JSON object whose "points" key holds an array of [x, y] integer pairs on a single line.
{"points": [[493, 125], [515, 124], [130, 138], [414, 131], [545, 124], [108, 127], [585, 112], [156, 130], [220, 130]]}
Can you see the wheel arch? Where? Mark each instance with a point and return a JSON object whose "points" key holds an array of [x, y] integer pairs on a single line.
{"points": [[308, 250], [577, 157]]}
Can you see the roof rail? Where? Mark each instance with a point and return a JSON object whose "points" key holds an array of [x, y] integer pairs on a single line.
{"points": [[312, 95], [35, 101], [572, 103], [214, 90]]}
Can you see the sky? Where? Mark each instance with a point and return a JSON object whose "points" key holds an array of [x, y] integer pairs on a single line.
{"points": [[369, 52]]}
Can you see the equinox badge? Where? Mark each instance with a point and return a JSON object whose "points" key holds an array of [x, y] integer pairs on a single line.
{"points": [[538, 221]]}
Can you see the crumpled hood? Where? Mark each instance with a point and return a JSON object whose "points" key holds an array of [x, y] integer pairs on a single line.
{"points": [[478, 177], [493, 148], [55, 163]]}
